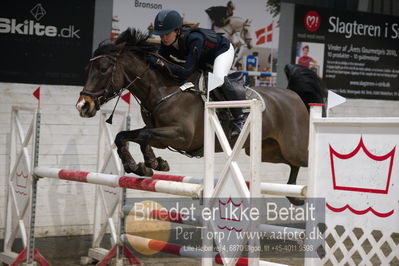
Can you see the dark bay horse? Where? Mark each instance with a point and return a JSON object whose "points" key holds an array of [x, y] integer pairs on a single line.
{"points": [[176, 119]]}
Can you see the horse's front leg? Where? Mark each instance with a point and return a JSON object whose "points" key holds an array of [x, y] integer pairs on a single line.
{"points": [[167, 136], [129, 164], [151, 161]]}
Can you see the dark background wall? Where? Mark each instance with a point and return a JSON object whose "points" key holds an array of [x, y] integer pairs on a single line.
{"points": [[387, 7]]}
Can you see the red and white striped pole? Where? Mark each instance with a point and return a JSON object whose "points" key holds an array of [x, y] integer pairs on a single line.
{"points": [[164, 215], [131, 182], [170, 184], [269, 230], [180, 250]]}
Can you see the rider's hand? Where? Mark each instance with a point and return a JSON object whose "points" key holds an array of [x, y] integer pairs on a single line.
{"points": [[155, 61], [150, 27]]}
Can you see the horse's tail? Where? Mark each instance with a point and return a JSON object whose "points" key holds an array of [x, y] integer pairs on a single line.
{"points": [[306, 84]]}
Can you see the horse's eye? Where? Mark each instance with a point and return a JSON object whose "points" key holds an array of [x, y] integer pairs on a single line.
{"points": [[104, 70]]}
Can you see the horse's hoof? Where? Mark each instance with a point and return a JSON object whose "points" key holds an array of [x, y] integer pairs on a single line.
{"points": [[129, 167], [296, 201], [151, 164], [162, 165], [142, 170]]}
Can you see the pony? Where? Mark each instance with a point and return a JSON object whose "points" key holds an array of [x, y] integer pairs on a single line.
{"points": [[174, 118], [237, 30]]}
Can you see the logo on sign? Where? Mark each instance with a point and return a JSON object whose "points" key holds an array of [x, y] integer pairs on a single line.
{"points": [[31, 27], [370, 173], [312, 20], [38, 12]]}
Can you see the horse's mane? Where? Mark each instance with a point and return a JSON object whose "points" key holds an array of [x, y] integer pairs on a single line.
{"points": [[134, 41]]}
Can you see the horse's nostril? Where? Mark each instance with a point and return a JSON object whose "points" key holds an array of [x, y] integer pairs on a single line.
{"points": [[82, 105], [85, 107]]}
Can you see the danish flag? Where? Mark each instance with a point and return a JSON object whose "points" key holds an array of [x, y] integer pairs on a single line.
{"points": [[264, 35]]}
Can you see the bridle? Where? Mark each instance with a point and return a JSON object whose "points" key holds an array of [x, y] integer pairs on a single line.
{"points": [[109, 92]]}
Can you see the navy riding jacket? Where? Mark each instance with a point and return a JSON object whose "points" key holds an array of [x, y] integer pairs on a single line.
{"points": [[193, 53]]}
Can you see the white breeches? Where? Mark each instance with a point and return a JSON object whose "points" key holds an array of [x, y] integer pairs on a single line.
{"points": [[223, 63]]}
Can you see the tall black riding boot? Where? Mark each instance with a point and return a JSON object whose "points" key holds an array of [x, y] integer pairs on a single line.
{"points": [[231, 94]]}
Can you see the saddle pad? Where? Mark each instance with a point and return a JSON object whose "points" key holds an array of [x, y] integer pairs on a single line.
{"points": [[186, 86], [253, 94]]}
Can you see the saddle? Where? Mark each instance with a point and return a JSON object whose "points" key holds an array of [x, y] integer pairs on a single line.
{"points": [[198, 83]]}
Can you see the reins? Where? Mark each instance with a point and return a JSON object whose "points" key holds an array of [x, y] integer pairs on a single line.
{"points": [[109, 120]]}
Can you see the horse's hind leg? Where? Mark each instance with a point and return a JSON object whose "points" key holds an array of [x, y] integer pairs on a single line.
{"points": [[292, 181]]}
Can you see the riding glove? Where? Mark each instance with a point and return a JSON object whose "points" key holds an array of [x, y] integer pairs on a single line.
{"points": [[155, 61]]}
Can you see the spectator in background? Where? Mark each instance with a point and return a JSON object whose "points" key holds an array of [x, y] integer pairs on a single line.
{"points": [[305, 60], [263, 80], [265, 68], [219, 14]]}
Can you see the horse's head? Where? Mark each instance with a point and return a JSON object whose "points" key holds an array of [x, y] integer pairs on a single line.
{"points": [[238, 31], [108, 71], [102, 82], [246, 33]]}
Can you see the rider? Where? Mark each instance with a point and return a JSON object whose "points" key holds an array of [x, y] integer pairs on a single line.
{"points": [[219, 14], [194, 49]]}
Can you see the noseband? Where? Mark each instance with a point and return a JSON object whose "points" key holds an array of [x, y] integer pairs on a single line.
{"points": [[109, 92]]}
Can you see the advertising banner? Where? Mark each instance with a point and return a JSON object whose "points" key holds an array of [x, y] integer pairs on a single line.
{"points": [[355, 53], [249, 25], [45, 42]]}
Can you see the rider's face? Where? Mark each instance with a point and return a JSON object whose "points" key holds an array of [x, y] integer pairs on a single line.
{"points": [[168, 39]]}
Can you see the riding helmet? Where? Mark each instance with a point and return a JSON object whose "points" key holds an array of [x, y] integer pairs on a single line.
{"points": [[167, 21], [231, 5]]}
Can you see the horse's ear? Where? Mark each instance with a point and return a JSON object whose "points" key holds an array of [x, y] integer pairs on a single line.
{"points": [[124, 36], [121, 45]]}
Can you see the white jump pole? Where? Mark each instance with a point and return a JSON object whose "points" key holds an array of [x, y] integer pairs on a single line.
{"points": [[299, 191]]}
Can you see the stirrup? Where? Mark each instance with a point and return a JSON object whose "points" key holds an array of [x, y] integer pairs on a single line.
{"points": [[236, 132], [237, 125]]}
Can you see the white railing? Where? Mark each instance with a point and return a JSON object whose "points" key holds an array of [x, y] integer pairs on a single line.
{"points": [[21, 193], [231, 183]]}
